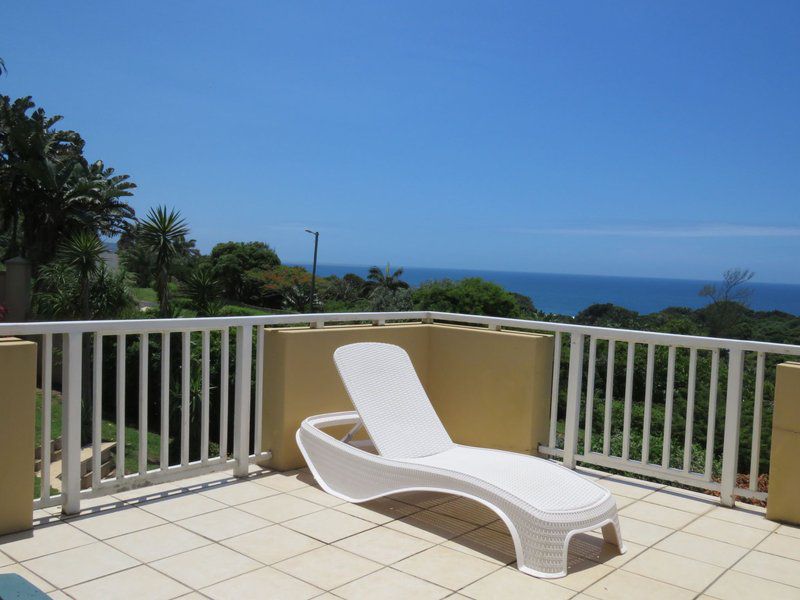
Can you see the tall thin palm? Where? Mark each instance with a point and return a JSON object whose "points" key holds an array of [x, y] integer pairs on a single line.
{"points": [[386, 278], [83, 252], [163, 233]]}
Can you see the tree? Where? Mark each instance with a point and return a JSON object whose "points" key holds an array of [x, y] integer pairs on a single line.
{"points": [[59, 292], [608, 315], [83, 252], [471, 295], [202, 290], [380, 278], [3, 67], [48, 190], [281, 287], [384, 299], [728, 303], [232, 260], [164, 233], [732, 287]]}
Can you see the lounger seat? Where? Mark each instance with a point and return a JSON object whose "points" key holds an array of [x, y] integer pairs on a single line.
{"points": [[542, 503]]}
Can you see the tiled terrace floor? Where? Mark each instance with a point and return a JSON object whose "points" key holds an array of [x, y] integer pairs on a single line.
{"points": [[277, 536]]}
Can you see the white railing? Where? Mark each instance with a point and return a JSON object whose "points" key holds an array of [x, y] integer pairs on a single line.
{"points": [[574, 434]]}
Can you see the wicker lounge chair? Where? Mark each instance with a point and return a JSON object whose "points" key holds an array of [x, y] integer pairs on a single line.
{"points": [[542, 503]]}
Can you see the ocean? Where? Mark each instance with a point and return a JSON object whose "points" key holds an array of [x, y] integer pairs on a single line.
{"points": [[569, 294]]}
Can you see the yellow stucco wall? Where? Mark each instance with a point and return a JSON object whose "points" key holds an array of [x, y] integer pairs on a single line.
{"points": [[17, 414], [784, 472], [490, 388]]}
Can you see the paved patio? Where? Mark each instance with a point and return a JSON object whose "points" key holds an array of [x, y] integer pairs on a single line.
{"points": [[276, 535]]}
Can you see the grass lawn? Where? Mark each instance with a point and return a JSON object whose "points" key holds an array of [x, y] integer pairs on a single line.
{"points": [[144, 294], [108, 431]]}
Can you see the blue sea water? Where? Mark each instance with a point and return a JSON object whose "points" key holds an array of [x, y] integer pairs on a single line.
{"points": [[569, 294]]}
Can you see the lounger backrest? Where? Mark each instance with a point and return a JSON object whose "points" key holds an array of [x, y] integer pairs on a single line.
{"points": [[391, 401]]}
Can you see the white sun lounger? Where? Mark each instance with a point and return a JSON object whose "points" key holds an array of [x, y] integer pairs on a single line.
{"points": [[542, 503]]}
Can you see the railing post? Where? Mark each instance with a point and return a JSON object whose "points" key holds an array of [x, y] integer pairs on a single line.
{"points": [[574, 384], [241, 409], [733, 407], [71, 426]]}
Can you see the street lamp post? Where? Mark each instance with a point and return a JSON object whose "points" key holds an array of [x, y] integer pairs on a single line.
{"points": [[314, 266]]}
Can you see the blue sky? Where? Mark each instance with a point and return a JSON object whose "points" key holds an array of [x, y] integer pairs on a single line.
{"points": [[626, 138]]}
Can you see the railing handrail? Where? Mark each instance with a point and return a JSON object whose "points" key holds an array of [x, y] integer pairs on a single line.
{"points": [[201, 323], [624, 335]]}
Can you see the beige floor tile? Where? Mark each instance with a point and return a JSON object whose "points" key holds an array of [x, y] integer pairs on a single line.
{"points": [[58, 595], [44, 517], [624, 585], [466, 510], [117, 522], [318, 496], [673, 569], [157, 543], [487, 544], [280, 508], [383, 545], [769, 566], [71, 567], [782, 545], [5, 560], [239, 493], [285, 482], [623, 501], [743, 516], [31, 577], [206, 481], [91, 506], [685, 500], [702, 548], [445, 567], [641, 532], [265, 583], [221, 524], [328, 525], [724, 531], [272, 544], [630, 488], [423, 499], [182, 507], [133, 584], [432, 527], [789, 530], [149, 493], [734, 585], [379, 511], [205, 566], [590, 545], [43, 540], [592, 474], [389, 584], [657, 514], [581, 573], [327, 567], [510, 583]]}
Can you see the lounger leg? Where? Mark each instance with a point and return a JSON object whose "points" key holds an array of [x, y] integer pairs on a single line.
{"points": [[612, 535]]}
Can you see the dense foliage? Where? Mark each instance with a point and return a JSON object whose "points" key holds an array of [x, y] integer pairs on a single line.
{"points": [[48, 189]]}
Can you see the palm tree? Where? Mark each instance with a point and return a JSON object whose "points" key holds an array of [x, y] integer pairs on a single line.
{"points": [[48, 190], [164, 233], [202, 289], [83, 252], [386, 279]]}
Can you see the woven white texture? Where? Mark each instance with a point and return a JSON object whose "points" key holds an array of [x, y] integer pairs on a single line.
{"points": [[391, 401], [542, 534], [541, 483]]}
